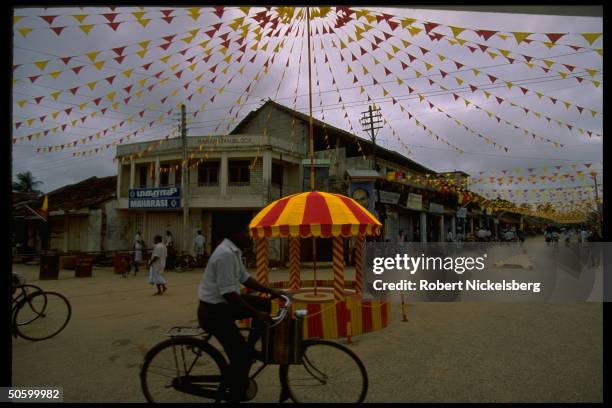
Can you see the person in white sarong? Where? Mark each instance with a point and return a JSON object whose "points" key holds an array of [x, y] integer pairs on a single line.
{"points": [[137, 251], [157, 264]]}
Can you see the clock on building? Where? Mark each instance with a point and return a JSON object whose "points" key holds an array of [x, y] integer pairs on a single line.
{"points": [[361, 196]]}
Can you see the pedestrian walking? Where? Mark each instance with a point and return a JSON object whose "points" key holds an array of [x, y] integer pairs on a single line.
{"points": [[157, 265], [138, 244]]}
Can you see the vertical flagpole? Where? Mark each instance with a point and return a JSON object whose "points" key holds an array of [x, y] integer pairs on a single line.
{"points": [[311, 137], [310, 122]]}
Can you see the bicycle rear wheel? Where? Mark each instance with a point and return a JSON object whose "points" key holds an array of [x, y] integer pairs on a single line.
{"points": [[183, 370], [41, 315], [330, 372]]}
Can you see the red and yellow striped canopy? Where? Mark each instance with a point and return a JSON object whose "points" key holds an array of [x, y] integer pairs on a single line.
{"points": [[314, 214]]}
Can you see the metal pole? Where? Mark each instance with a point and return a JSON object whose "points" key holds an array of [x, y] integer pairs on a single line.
{"points": [[185, 181], [310, 121], [373, 135], [597, 204]]}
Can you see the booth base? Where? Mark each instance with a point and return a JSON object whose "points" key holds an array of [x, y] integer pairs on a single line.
{"points": [[330, 319]]}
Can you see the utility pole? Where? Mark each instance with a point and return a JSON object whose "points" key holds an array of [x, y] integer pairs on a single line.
{"points": [[371, 121], [185, 181]]}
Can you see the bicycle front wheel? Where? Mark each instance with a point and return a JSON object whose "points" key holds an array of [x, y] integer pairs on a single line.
{"points": [[183, 370], [330, 372], [41, 315]]}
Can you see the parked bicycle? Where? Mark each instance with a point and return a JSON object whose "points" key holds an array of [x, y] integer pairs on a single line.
{"points": [[185, 262], [37, 314], [187, 368]]}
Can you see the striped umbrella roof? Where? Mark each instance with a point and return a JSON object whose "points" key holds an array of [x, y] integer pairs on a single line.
{"points": [[316, 214]]}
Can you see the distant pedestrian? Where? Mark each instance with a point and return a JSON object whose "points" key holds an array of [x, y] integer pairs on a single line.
{"points": [[198, 244], [171, 250], [449, 236], [138, 244], [157, 265]]}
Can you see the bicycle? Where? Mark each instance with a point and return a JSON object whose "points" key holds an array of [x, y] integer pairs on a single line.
{"points": [[35, 310], [197, 371]]}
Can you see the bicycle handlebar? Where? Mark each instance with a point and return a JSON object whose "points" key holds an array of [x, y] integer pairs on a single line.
{"points": [[282, 311]]}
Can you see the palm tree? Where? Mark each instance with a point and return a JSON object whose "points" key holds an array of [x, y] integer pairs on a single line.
{"points": [[26, 183]]}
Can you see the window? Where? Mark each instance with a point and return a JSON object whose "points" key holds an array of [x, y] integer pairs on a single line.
{"points": [[142, 176], [277, 174], [164, 177], [208, 173], [239, 172]]}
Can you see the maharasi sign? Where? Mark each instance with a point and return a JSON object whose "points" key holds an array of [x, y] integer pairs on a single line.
{"points": [[155, 198], [436, 208], [388, 197], [414, 202], [462, 212]]}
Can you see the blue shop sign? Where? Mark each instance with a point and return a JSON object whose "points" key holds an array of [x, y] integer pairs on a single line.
{"points": [[161, 198]]}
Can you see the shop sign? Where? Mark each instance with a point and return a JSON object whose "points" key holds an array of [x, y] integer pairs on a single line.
{"points": [[414, 201], [388, 197], [436, 208], [154, 198], [462, 212]]}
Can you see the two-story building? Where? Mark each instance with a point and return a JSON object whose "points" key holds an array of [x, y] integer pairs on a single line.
{"points": [[231, 177]]}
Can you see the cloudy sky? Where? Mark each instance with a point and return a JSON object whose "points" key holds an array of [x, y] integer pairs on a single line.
{"points": [[435, 66]]}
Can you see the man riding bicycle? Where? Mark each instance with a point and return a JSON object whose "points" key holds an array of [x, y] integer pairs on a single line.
{"points": [[221, 304]]}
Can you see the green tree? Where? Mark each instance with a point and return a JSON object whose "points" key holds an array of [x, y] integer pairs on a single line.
{"points": [[26, 183]]}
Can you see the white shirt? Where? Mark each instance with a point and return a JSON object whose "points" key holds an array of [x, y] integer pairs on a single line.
{"points": [[199, 241], [160, 251], [169, 240], [223, 274], [137, 242]]}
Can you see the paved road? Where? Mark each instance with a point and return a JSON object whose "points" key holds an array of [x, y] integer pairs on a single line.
{"points": [[445, 352]]}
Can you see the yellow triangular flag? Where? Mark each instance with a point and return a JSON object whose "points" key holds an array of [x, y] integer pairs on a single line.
{"points": [[111, 96], [99, 65], [92, 55], [567, 104], [475, 71], [82, 106], [128, 72], [414, 31], [549, 63], [55, 74], [407, 21], [428, 66], [138, 14], [505, 53], [591, 37], [21, 103], [16, 19], [142, 53], [503, 36], [165, 59], [80, 17], [41, 64], [24, 31], [144, 22], [509, 85], [86, 28], [592, 72], [519, 37], [92, 85], [456, 30], [487, 94], [492, 54], [459, 80], [144, 44]]}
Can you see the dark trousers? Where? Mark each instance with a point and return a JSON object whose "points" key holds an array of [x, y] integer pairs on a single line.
{"points": [[219, 319]]}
